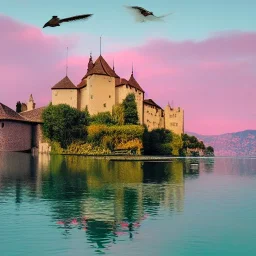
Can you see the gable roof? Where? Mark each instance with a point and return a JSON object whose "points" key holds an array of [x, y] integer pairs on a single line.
{"points": [[65, 83], [101, 67], [151, 102], [7, 113], [34, 115]]}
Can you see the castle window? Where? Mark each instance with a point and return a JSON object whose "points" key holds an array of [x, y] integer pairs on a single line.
{"points": [[104, 105], [109, 96], [2, 125], [91, 96]]}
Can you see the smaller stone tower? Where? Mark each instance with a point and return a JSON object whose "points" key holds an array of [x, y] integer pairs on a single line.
{"points": [[31, 104], [174, 119]]}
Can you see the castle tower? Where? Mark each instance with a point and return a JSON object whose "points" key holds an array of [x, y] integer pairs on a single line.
{"points": [[97, 88], [31, 104], [124, 87], [64, 92], [174, 119]]}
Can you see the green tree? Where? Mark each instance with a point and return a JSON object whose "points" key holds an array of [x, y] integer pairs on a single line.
{"points": [[176, 144], [210, 149], [18, 107], [63, 124], [87, 115], [102, 118], [118, 114], [130, 109], [157, 142]]}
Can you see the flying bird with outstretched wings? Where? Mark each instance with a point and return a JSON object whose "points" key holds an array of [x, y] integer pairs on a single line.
{"points": [[142, 15], [55, 21]]}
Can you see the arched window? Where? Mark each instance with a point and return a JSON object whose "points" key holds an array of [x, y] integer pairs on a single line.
{"points": [[2, 125]]}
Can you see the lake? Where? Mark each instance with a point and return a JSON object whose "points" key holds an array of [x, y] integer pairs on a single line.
{"points": [[74, 205]]}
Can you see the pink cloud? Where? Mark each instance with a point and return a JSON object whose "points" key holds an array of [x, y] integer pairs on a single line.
{"points": [[213, 80], [28, 62]]}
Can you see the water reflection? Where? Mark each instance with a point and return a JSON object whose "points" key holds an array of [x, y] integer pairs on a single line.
{"points": [[104, 199]]}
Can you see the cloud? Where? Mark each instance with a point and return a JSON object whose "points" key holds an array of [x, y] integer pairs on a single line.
{"points": [[28, 61], [213, 80]]}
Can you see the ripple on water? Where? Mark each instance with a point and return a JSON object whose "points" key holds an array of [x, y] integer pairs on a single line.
{"points": [[80, 206]]}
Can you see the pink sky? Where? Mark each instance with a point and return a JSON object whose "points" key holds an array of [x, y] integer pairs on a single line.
{"points": [[213, 80]]}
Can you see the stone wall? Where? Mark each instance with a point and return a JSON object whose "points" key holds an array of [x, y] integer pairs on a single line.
{"points": [[41, 145], [174, 119], [153, 117], [15, 136], [37, 135]]}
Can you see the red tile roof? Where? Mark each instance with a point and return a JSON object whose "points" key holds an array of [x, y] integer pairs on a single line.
{"points": [[34, 115], [121, 81], [7, 113], [132, 82], [101, 67], [151, 102], [82, 84], [65, 83]]}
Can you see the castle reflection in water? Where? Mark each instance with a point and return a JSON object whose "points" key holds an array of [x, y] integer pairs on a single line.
{"points": [[103, 198]]}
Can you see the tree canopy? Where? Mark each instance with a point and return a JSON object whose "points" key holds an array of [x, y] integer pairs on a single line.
{"points": [[130, 109], [64, 124]]}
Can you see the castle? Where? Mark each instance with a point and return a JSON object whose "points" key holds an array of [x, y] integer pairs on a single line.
{"points": [[101, 88]]}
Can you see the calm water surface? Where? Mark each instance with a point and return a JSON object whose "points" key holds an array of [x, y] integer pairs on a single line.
{"points": [[79, 206]]}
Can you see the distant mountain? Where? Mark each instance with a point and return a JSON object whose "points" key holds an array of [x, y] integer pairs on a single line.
{"points": [[230, 144]]}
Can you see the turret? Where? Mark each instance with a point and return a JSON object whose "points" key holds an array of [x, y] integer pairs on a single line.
{"points": [[31, 104]]}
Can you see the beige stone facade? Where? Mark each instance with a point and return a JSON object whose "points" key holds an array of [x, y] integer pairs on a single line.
{"points": [[174, 119], [153, 115], [99, 94], [101, 88]]}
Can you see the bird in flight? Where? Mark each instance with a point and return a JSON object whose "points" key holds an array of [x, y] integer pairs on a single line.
{"points": [[55, 21], [143, 15]]}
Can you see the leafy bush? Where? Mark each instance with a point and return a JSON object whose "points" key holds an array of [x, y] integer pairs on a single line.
{"points": [[64, 124], [79, 148], [176, 144], [102, 118], [114, 136], [158, 142]]}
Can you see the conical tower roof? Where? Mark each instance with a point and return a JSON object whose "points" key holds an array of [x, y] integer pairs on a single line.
{"points": [[132, 82], [65, 83], [101, 67]]}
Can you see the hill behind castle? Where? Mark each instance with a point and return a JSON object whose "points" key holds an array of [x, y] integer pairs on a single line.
{"points": [[231, 144]]}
